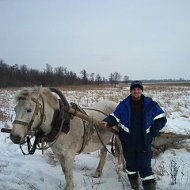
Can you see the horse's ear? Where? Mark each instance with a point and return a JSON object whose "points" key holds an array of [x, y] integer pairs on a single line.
{"points": [[21, 95]]}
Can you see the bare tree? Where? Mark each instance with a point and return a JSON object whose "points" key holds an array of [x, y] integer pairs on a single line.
{"points": [[48, 75], [98, 79], [111, 78], [84, 76], [116, 78], [92, 77], [126, 79]]}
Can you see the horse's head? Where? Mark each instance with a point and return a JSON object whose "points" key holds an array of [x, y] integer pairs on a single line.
{"points": [[30, 111]]}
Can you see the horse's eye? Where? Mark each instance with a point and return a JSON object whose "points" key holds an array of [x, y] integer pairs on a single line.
{"points": [[29, 110]]}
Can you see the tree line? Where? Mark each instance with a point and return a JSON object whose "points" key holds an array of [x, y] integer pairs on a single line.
{"points": [[19, 76]]}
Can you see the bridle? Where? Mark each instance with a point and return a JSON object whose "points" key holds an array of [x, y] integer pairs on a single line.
{"points": [[39, 109], [42, 139]]}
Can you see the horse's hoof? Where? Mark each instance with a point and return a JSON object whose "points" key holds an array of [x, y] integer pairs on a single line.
{"points": [[96, 175]]}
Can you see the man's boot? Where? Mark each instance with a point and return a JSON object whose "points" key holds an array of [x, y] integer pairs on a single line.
{"points": [[149, 184], [134, 181]]}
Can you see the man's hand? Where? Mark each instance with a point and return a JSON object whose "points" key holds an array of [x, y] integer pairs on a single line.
{"points": [[103, 124]]}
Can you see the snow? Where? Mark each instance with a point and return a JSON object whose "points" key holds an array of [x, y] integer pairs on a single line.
{"points": [[42, 171]]}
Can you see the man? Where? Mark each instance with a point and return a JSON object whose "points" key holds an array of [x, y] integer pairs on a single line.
{"points": [[140, 119]]}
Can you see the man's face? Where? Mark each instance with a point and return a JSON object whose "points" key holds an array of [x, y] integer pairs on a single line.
{"points": [[136, 93]]}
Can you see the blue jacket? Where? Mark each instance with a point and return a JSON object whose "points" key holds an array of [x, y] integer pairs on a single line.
{"points": [[153, 119]]}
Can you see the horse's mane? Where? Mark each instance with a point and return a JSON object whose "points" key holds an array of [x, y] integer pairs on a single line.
{"points": [[35, 92]]}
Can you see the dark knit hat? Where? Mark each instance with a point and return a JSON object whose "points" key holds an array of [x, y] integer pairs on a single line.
{"points": [[136, 84]]}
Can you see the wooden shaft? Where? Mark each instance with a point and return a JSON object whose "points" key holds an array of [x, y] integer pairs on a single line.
{"points": [[173, 135], [5, 130], [8, 130], [90, 119]]}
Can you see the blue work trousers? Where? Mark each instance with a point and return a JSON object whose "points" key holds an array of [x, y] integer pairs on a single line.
{"points": [[139, 162]]}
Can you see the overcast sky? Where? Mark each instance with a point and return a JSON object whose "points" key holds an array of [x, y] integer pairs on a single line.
{"points": [[144, 39]]}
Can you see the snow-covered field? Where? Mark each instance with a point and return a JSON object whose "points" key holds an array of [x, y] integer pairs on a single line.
{"points": [[39, 172]]}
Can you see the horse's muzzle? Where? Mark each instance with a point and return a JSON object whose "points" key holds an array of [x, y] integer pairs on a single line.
{"points": [[16, 139]]}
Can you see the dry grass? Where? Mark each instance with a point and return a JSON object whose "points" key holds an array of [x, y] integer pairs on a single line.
{"points": [[170, 84], [4, 106], [173, 97], [4, 117]]}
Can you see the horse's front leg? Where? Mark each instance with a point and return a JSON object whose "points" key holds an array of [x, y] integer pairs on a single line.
{"points": [[67, 167], [103, 153]]}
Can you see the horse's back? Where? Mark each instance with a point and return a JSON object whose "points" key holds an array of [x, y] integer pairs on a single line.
{"points": [[101, 109]]}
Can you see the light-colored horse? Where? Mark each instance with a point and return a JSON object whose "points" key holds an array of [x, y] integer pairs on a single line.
{"points": [[35, 111]]}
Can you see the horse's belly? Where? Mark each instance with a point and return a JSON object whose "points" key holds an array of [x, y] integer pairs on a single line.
{"points": [[96, 143]]}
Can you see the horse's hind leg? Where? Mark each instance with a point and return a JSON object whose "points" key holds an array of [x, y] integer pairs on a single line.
{"points": [[103, 153]]}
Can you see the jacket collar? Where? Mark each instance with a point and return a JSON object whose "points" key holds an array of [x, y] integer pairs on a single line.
{"points": [[146, 101]]}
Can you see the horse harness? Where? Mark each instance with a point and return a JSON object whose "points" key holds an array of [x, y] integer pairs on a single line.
{"points": [[60, 123]]}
